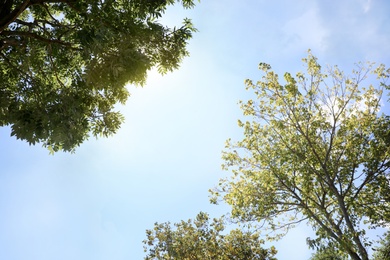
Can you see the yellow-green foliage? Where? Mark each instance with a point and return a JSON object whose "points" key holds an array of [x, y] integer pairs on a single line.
{"points": [[316, 148]]}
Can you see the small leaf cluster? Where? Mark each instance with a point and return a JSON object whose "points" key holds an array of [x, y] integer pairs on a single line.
{"points": [[383, 251]]}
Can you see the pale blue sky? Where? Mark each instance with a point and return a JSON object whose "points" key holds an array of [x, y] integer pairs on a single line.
{"points": [[97, 203]]}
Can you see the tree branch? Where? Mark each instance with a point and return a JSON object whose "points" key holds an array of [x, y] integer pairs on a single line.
{"points": [[11, 17], [40, 38]]}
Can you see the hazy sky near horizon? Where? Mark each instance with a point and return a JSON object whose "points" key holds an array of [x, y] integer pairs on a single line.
{"points": [[97, 203]]}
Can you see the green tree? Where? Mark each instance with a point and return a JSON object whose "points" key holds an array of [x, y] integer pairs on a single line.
{"points": [[202, 239], [64, 64], [317, 150]]}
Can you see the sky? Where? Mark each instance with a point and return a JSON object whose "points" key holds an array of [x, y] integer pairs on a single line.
{"points": [[98, 202]]}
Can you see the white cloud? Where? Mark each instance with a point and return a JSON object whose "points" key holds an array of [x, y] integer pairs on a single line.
{"points": [[356, 31], [306, 31], [366, 5]]}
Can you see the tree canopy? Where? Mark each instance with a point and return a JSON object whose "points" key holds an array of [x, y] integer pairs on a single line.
{"points": [[315, 150], [64, 64], [202, 239]]}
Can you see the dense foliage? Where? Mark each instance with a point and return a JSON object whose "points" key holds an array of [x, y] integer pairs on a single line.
{"points": [[203, 239], [317, 149], [64, 64]]}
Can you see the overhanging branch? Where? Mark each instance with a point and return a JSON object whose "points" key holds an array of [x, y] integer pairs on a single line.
{"points": [[13, 15], [39, 38]]}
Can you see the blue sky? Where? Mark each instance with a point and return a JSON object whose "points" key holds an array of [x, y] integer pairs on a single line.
{"points": [[97, 203]]}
